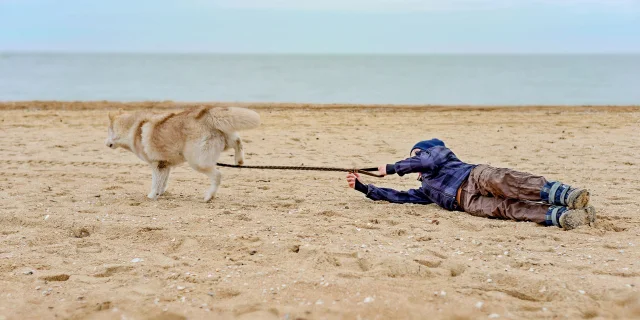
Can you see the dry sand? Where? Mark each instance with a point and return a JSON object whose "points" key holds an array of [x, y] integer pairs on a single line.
{"points": [[80, 240]]}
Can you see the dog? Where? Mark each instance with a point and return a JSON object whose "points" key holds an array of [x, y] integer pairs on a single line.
{"points": [[197, 135]]}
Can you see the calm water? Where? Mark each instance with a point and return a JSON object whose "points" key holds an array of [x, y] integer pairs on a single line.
{"points": [[428, 79]]}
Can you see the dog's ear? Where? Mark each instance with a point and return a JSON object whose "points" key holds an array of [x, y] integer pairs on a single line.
{"points": [[112, 116]]}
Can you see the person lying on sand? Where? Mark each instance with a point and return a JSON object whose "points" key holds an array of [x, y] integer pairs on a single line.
{"points": [[481, 190]]}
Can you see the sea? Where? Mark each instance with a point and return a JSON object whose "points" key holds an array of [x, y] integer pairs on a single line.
{"points": [[305, 78]]}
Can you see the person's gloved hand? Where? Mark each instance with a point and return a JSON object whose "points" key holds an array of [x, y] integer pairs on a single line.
{"points": [[382, 170], [351, 179]]}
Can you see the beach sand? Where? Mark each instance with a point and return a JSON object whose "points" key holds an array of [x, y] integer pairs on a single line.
{"points": [[80, 240]]}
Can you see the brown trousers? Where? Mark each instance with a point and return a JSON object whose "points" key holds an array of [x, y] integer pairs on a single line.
{"points": [[503, 193]]}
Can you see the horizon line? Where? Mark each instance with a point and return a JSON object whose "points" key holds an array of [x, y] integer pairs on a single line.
{"points": [[3, 52]]}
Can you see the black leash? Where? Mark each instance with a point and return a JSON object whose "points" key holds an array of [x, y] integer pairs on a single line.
{"points": [[365, 171]]}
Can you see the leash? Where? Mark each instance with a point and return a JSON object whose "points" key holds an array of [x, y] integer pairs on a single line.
{"points": [[365, 171]]}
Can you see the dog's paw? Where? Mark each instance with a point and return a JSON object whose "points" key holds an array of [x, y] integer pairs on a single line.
{"points": [[240, 162], [153, 196], [209, 196]]}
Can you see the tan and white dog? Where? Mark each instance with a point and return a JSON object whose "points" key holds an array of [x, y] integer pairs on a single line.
{"points": [[197, 136]]}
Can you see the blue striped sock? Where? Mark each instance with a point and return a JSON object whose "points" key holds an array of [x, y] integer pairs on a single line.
{"points": [[555, 193], [553, 216]]}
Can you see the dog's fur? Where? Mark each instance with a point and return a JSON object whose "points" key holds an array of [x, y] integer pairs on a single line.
{"points": [[197, 136]]}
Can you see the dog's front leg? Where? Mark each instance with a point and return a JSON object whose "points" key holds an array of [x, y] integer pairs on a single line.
{"points": [[160, 175], [155, 173], [163, 178]]}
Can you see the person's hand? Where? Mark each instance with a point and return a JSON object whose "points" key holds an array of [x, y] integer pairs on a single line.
{"points": [[382, 170], [351, 179]]}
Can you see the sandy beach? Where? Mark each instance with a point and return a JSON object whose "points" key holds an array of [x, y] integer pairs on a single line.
{"points": [[80, 240]]}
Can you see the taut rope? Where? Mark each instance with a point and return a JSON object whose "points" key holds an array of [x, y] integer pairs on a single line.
{"points": [[365, 171]]}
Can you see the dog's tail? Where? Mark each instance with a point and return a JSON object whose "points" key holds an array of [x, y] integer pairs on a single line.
{"points": [[232, 119]]}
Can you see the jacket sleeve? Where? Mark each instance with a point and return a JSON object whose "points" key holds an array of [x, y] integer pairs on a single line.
{"points": [[395, 196], [425, 162]]}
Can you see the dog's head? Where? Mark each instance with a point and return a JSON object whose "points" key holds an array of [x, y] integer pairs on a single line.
{"points": [[119, 125]]}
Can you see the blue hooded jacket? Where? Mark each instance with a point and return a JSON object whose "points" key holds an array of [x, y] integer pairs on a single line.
{"points": [[442, 173]]}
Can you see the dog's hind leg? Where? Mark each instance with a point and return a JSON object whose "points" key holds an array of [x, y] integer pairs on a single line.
{"points": [[235, 142], [203, 158], [215, 176], [239, 148], [160, 176]]}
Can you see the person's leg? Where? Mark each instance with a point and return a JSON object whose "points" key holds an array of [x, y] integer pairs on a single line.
{"points": [[503, 208], [559, 194], [507, 183], [519, 210], [475, 201]]}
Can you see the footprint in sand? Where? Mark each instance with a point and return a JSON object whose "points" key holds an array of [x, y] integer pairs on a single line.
{"points": [[88, 247], [57, 277], [111, 270], [80, 232]]}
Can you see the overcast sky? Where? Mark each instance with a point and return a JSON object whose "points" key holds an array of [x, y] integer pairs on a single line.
{"points": [[321, 26]]}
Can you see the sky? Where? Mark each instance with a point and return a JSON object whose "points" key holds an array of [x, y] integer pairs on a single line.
{"points": [[321, 26]]}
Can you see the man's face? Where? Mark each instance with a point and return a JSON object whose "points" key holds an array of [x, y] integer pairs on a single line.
{"points": [[415, 152]]}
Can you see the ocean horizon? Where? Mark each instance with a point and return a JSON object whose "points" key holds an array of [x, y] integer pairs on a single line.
{"points": [[404, 79]]}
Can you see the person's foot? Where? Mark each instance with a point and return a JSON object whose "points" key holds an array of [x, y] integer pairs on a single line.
{"points": [[560, 194], [574, 218], [577, 198]]}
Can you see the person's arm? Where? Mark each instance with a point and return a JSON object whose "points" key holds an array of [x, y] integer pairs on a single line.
{"points": [[394, 196], [424, 162]]}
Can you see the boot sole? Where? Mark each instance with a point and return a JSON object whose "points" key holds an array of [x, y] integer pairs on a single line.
{"points": [[580, 200], [578, 217]]}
